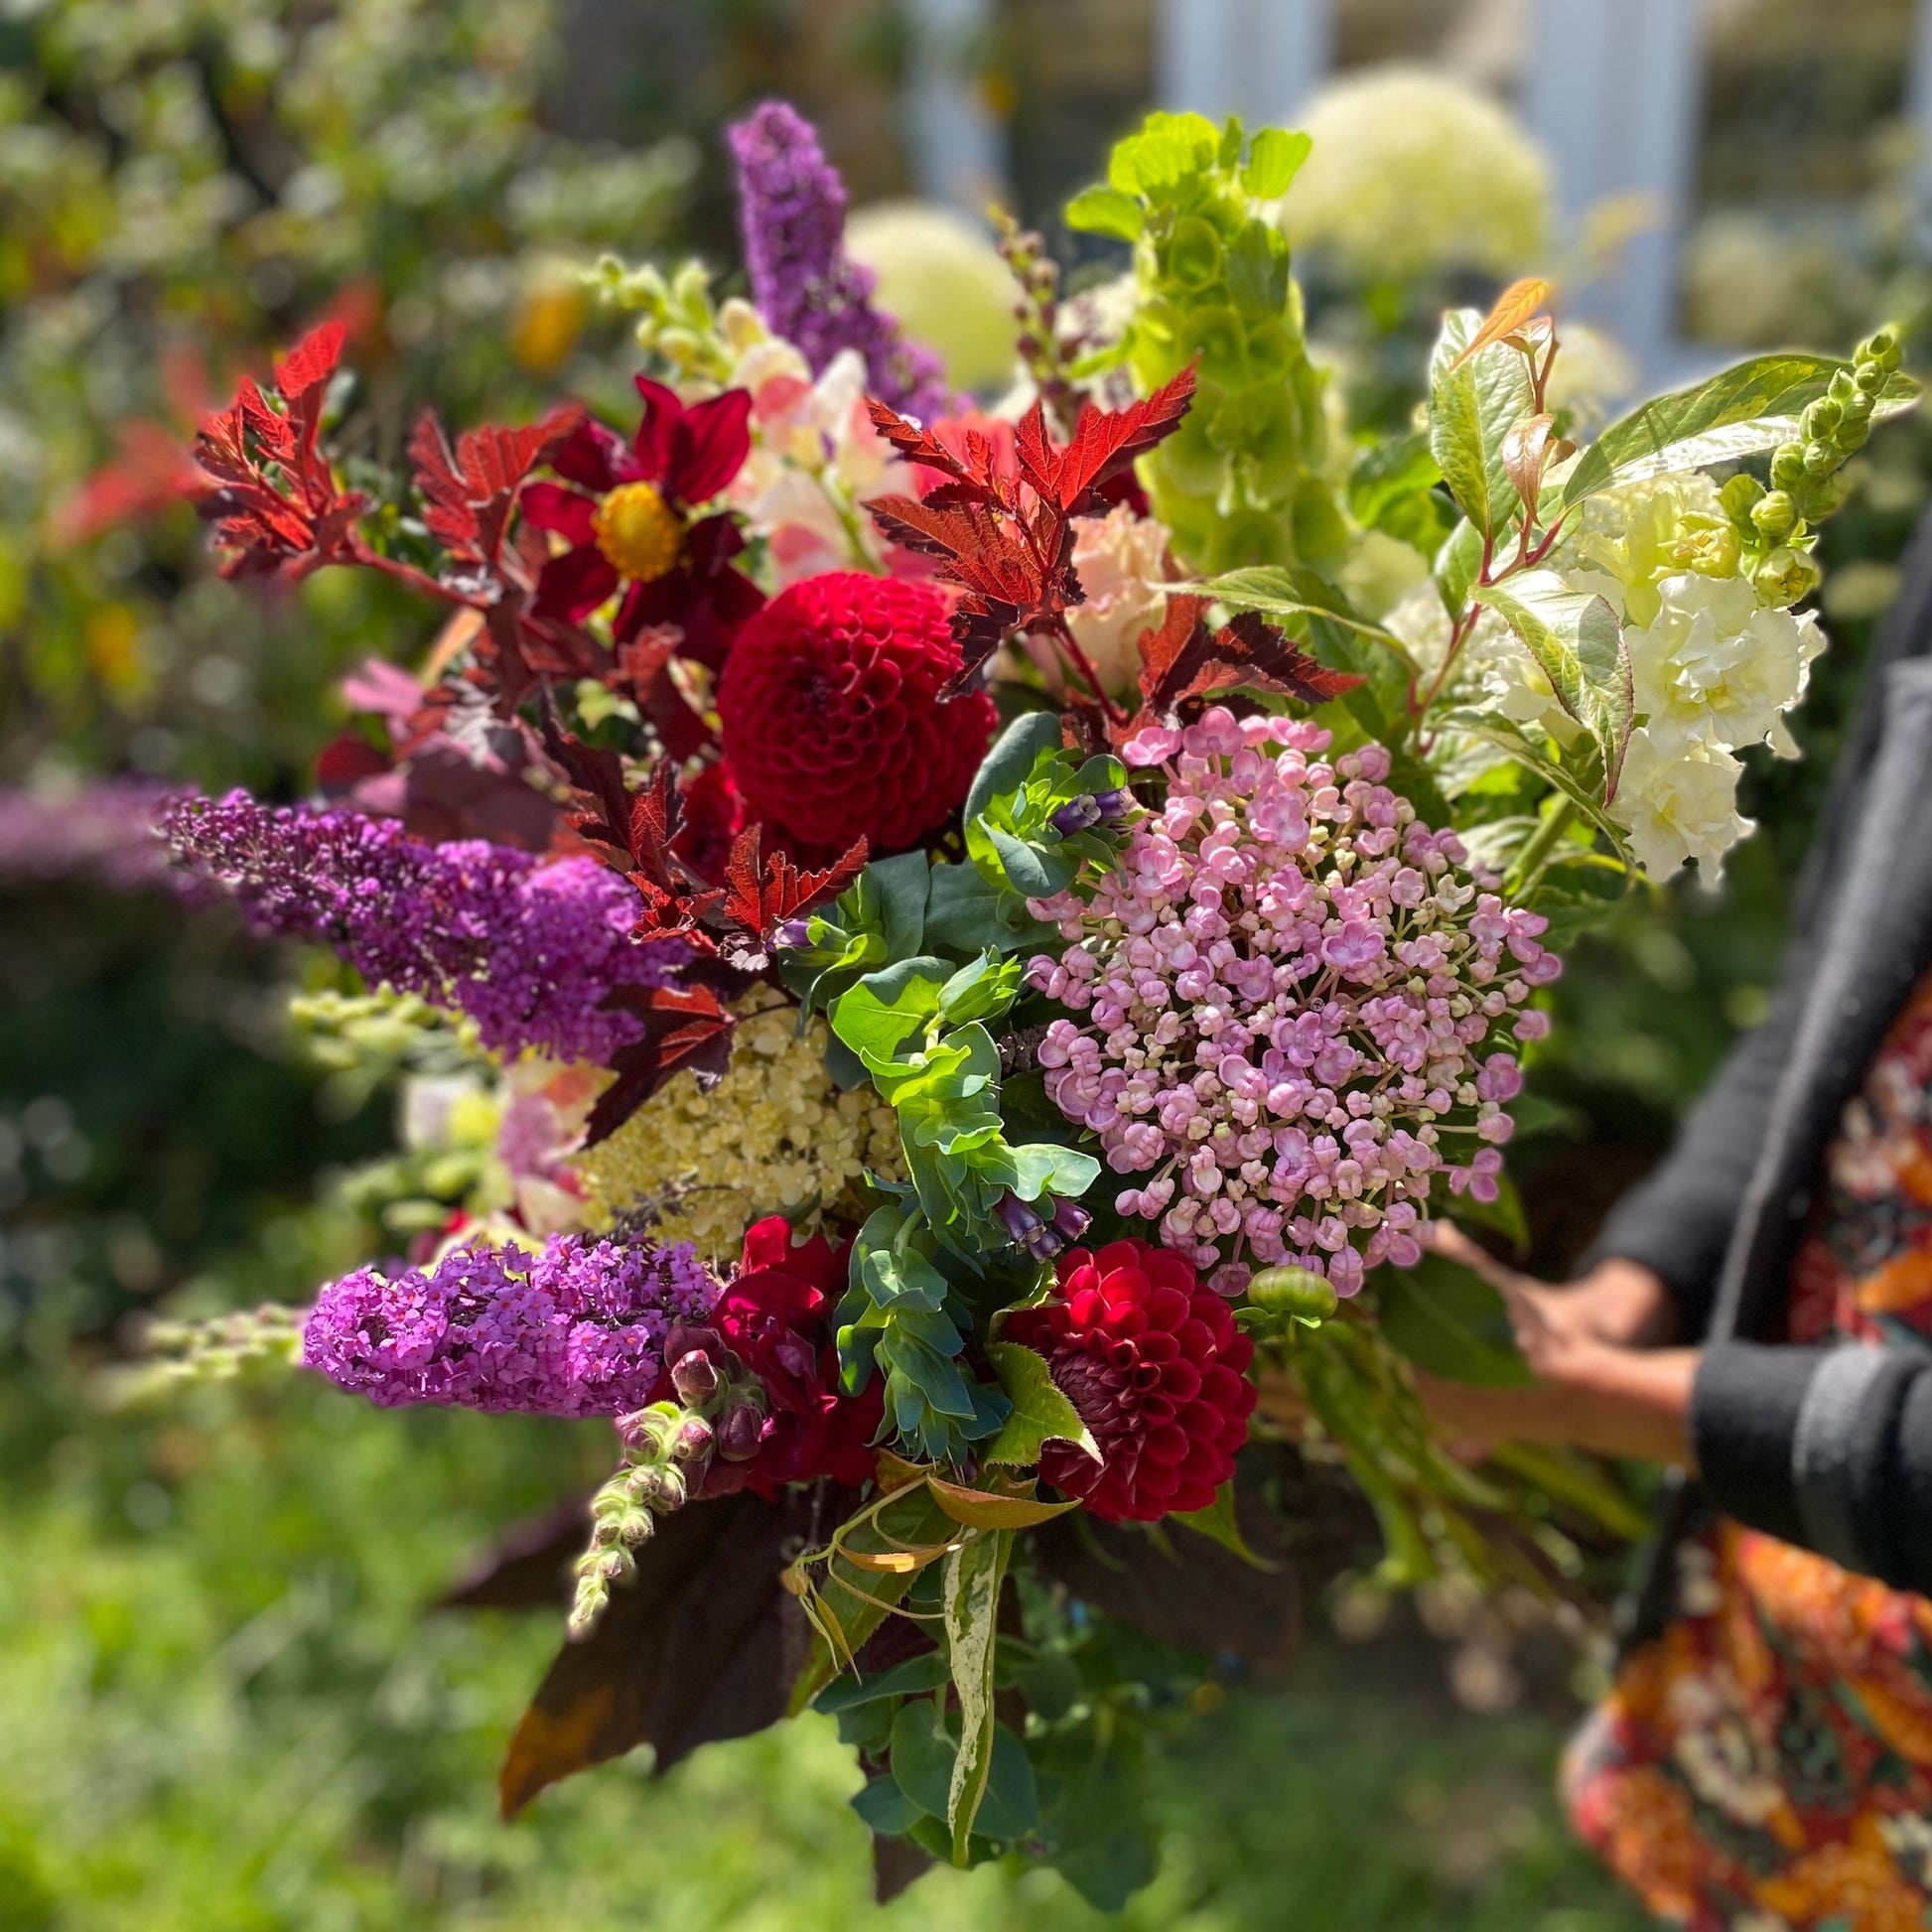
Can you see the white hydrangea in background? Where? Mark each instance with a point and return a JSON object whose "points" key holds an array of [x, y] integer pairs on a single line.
{"points": [[1412, 174], [943, 281]]}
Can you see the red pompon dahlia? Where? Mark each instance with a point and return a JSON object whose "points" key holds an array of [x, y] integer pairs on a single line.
{"points": [[832, 723], [1157, 1368]]}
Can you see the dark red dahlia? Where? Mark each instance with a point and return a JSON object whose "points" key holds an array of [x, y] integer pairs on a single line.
{"points": [[832, 723], [626, 514], [774, 1316], [1157, 1368]]}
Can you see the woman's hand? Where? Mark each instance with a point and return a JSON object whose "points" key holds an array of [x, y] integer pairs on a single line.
{"points": [[1603, 1381]]}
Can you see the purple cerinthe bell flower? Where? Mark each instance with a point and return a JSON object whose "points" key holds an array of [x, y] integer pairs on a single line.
{"points": [[1076, 815], [1040, 1238]]}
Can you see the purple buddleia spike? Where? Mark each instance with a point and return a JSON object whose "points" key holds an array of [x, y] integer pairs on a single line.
{"points": [[575, 1330], [791, 216], [529, 950]]}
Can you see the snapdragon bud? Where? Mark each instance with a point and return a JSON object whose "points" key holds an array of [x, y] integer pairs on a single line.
{"points": [[741, 1430], [1788, 465], [1880, 351], [682, 1338], [694, 1440], [648, 1430], [1738, 496], [695, 1378], [791, 935], [1773, 516]]}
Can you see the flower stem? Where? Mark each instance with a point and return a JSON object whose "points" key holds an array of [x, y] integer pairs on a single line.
{"points": [[1534, 859]]}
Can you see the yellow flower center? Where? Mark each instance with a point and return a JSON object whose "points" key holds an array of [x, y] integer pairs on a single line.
{"points": [[637, 531]]}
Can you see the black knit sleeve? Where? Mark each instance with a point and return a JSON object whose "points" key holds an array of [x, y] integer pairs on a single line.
{"points": [[1830, 1448]]}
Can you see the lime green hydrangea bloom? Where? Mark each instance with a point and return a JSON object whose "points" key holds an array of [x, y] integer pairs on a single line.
{"points": [[775, 1136]]}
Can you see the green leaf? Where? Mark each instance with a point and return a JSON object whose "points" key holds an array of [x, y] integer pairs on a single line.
{"points": [[967, 913], [1095, 1817], [1031, 873], [1219, 1523], [1449, 1323], [886, 1007], [1576, 638], [1278, 591], [1473, 406], [861, 1599], [970, 1599], [1105, 211], [1273, 161], [924, 1751], [1007, 767], [1166, 152], [902, 886], [1045, 1167], [980, 990], [1752, 406], [1042, 1414], [1513, 742], [885, 1808], [991, 1509], [909, 1679], [1387, 472], [1458, 565], [1009, 1808]]}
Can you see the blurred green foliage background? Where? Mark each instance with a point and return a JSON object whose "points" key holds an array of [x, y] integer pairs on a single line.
{"points": [[227, 1700]]}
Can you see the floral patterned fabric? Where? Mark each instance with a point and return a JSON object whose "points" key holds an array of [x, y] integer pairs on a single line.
{"points": [[1766, 1765]]}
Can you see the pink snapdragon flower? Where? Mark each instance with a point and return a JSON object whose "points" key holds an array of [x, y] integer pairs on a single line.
{"points": [[1289, 1004]]}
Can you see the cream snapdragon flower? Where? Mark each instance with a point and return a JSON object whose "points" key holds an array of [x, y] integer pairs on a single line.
{"points": [[1630, 540], [1121, 562], [1412, 174], [774, 1136], [1715, 665]]}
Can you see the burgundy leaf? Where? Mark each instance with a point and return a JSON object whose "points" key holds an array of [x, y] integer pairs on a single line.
{"points": [[700, 1643]]}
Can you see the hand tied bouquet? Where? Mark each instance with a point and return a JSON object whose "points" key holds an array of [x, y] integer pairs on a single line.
{"points": [[975, 930]]}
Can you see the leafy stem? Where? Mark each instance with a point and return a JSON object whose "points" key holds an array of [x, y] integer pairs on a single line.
{"points": [[1538, 847]]}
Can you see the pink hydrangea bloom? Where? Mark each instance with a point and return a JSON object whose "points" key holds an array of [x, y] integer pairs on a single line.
{"points": [[1290, 1006]]}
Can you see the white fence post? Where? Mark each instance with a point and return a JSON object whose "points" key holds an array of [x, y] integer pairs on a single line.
{"points": [[957, 149], [1613, 92], [1259, 58]]}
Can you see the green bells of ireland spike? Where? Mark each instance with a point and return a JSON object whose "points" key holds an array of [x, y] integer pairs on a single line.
{"points": [[1251, 477]]}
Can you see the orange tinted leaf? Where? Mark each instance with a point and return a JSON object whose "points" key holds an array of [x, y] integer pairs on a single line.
{"points": [[1513, 308], [987, 1509]]}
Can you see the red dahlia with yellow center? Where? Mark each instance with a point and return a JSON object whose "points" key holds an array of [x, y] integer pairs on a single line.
{"points": [[831, 718], [1157, 1368]]}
